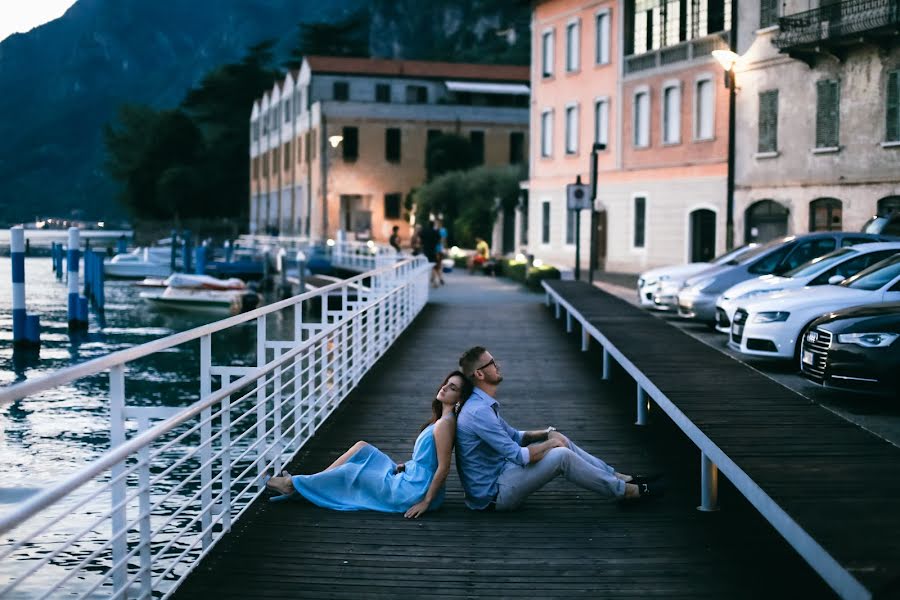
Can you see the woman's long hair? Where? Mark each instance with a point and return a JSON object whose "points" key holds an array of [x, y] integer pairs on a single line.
{"points": [[437, 408]]}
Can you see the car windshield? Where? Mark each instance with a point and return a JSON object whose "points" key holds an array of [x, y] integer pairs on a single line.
{"points": [[876, 276], [874, 225], [723, 259], [759, 250], [819, 263]]}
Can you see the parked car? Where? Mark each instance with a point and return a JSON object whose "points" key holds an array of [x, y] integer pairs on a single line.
{"points": [[856, 349], [697, 300], [833, 267], [773, 325], [885, 225], [658, 288]]}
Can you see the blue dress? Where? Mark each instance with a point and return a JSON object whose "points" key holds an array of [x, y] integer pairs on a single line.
{"points": [[368, 481]]}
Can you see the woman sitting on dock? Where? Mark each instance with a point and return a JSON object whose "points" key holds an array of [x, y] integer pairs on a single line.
{"points": [[365, 478]]}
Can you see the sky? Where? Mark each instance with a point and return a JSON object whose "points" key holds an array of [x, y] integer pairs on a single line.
{"points": [[23, 15]]}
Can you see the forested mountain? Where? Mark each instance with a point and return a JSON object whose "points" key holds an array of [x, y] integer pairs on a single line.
{"points": [[62, 82]]}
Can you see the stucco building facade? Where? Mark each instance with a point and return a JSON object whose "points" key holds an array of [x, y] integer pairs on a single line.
{"points": [[340, 143]]}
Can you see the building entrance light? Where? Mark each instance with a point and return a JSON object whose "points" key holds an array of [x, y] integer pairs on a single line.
{"points": [[335, 140], [726, 58]]}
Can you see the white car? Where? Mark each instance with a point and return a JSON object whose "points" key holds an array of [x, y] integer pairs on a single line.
{"points": [[832, 268], [771, 325], [658, 288]]}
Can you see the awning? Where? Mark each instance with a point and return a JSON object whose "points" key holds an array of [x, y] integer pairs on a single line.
{"points": [[513, 89]]}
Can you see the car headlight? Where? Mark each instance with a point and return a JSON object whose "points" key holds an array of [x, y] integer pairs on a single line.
{"points": [[775, 316], [752, 293], [868, 340]]}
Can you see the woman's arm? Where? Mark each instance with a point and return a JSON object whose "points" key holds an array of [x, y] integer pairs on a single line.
{"points": [[444, 432]]}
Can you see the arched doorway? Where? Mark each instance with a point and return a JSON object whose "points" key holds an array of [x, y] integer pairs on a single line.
{"points": [[765, 220], [703, 235], [888, 205], [825, 214]]}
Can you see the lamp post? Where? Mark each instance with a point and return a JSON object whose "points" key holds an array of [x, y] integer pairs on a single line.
{"points": [[728, 59], [334, 141], [592, 260]]}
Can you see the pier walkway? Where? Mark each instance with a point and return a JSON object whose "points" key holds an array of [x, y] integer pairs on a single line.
{"points": [[564, 543]]}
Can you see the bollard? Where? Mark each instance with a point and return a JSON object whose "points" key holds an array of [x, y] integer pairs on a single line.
{"points": [[200, 258], [17, 253], [33, 330], [88, 272], [187, 254], [72, 274]]}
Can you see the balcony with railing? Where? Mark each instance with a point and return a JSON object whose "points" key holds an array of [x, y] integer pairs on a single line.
{"points": [[835, 28]]}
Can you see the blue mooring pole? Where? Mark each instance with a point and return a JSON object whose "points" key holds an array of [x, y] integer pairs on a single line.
{"points": [[17, 253], [74, 305]]}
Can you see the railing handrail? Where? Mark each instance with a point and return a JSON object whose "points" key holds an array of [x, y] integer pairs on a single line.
{"points": [[97, 365], [116, 455]]}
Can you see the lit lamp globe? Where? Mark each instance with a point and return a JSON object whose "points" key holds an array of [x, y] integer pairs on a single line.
{"points": [[335, 140], [726, 58]]}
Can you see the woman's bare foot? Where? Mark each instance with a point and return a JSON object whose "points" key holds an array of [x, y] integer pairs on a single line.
{"points": [[281, 485]]}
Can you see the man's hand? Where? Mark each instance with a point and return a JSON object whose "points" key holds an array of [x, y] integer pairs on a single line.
{"points": [[417, 509], [557, 436]]}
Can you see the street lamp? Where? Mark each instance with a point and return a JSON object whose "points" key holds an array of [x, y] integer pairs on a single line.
{"points": [[728, 59], [592, 260], [335, 140]]}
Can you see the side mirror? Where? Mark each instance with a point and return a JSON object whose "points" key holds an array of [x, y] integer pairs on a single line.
{"points": [[835, 279]]}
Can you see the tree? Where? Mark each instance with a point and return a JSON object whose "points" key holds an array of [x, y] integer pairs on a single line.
{"points": [[349, 37], [469, 201]]}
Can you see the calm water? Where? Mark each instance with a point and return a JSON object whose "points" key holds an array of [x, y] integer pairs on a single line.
{"points": [[53, 435]]}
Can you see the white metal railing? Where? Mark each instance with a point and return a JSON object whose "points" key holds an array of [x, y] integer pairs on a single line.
{"points": [[360, 256], [135, 522]]}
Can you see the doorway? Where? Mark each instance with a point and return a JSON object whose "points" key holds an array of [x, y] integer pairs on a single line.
{"points": [[703, 235], [765, 220]]}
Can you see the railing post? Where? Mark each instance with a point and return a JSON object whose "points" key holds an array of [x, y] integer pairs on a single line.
{"points": [[568, 321], [146, 558], [558, 308], [585, 338], [261, 397], [119, 487], [205, 434], [641, 406], [225, 441], [709, 485], [605, 364]]}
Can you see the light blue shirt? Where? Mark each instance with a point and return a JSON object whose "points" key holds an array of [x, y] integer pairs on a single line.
{"points": [[485, 446]]}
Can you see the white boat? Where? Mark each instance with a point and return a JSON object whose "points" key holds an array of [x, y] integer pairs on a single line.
{"points": [[140, 263], [202, 293]]}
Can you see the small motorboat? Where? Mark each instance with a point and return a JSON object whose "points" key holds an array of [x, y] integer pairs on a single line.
{"points": [[202, 293], [140, 263]]}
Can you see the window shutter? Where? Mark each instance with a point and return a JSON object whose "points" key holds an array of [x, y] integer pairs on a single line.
{"points": [[893, 107], [827, 113], [768, 121], [768, 13]]}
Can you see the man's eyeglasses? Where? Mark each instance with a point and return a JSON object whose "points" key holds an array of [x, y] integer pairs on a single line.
{"points": [[486, 365]]}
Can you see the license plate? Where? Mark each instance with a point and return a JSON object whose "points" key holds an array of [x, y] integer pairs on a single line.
{"points": [[737, 330], [808, 358]]}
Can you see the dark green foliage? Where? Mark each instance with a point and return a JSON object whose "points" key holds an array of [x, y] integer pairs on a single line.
{"points": [[347, 37], [519, 271], [446, 153], [468, 201]]}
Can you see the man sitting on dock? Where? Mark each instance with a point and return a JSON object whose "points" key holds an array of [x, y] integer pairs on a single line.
{"points": [[500, 467]]}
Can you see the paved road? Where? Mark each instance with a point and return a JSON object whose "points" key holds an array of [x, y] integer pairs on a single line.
{"points": [[880, 416]]}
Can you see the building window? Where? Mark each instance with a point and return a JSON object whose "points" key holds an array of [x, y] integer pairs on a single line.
{"points": [[571, 217], [256, 167], [547, 133], [254, 130], [392, 206], [350, 145], [433, 134], [571, 129], [601, 121], [704, 110], [265, 164], [573, 46], [640, 216], [547, 54], [416, 94], [382, 92], [392, 144], [601, 54], [892, 108], [298, 144], [545, 223], [476, 140], [828, 114], [312, 144], [287, 156], [768, 13], [672, 114], [275, 160], [341, 90], [768, 121], [825, 214], [516, 148], [642, 119], [287, 110]]}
